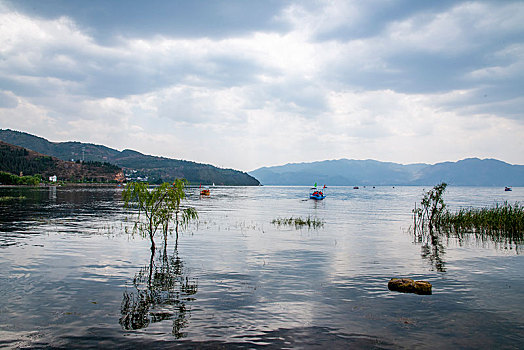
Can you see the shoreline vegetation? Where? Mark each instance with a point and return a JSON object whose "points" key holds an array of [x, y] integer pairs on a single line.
{"points": [[503, 222], [65, 184], [12, 180], [500, 223]]}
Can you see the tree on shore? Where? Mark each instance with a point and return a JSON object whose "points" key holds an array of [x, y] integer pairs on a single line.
{"points": [[11, 179]]}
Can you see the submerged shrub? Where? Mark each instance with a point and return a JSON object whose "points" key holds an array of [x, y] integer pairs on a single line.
{"points": [[159, 205], [431, 208]]}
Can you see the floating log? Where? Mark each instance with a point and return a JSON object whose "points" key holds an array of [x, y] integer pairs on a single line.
{"points": [[407, 285]]}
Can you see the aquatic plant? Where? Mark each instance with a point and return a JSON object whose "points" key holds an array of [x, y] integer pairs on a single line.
{"points": [[501, 222], [159, 205], [426, 218], [298, 222], [10, 198], [431, 208]]}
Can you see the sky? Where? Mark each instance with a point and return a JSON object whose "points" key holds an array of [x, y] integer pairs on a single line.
{"points": [[245, 84]]}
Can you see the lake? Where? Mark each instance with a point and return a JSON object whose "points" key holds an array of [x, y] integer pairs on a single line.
{"points": [[74, 275]]}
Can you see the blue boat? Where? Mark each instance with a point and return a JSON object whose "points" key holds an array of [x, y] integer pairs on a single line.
{"points": [[317, 194]]}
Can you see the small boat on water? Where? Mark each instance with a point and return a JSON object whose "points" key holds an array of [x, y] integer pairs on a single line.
{"points": [[507, 188], [317, 194], [204, 191]]}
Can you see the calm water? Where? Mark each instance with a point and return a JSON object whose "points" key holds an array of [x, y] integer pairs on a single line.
{"points": [[73, 275]]}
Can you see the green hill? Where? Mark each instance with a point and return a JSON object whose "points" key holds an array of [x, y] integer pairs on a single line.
{"points": [[135, 164], [21, 161]]}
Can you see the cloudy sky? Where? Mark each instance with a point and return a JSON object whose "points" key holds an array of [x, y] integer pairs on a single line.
{"points": [[244, 84]]}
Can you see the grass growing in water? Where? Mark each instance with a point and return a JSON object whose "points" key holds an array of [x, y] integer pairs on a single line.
{"points": [[498, 223], [9, 198], [298, 222], [502, 224]]}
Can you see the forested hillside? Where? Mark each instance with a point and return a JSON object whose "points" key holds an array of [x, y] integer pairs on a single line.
{"points": [[20, 161], [156, 169]]}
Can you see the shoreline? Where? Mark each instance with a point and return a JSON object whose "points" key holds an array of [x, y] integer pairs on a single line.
{"points": [[69, 184]]}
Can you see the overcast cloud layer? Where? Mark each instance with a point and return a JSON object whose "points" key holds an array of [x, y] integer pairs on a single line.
{"points": [[245, 84]]}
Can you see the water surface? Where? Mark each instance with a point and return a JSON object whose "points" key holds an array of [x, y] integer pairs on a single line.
{"points": [[72, 274]]}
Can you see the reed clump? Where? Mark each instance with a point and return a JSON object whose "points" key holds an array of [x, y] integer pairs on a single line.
{"points": [[10, 198], [501, 222], [298, 222]]}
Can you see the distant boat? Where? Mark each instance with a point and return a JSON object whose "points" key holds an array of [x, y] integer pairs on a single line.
{"points": [[204, 191], [507, 188], [355, 187], [317, 194]]}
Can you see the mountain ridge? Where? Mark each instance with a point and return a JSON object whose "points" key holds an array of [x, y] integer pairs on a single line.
{"points": [[348, 172], [19, 160], [155, 169]]}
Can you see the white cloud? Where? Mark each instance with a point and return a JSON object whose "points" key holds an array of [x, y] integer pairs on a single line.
{"points": [[26, 116]]}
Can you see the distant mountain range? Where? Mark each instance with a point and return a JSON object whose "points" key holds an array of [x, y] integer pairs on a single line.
{"points": [[344, 172], [136, 164]]}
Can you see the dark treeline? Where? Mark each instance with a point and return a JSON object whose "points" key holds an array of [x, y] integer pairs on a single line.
{"points": [[17, 160], [10, 179]]}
